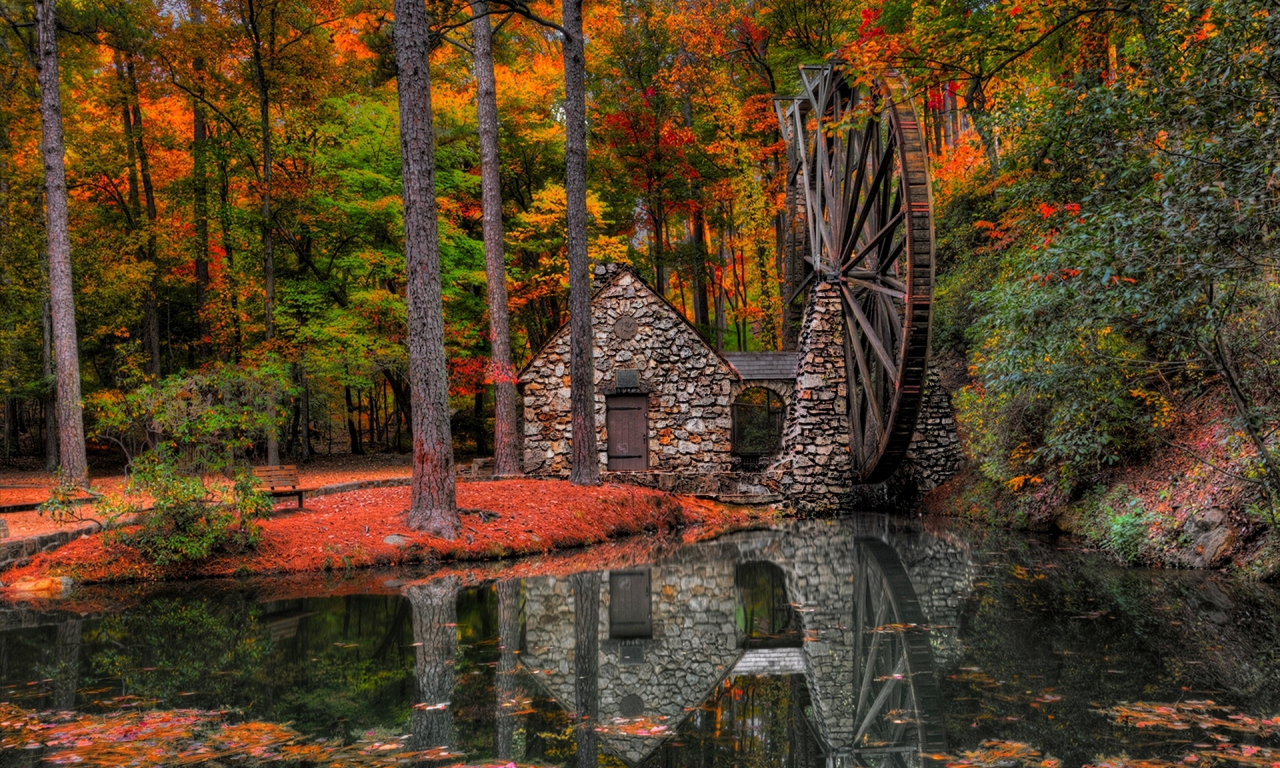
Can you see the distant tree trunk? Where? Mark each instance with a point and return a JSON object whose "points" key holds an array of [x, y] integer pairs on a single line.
{"points": [[435, 637], [433, 507], [10, 425], [252, 25], [700, 310], [477, 414], [506, 439], [62, 293], [151, 310], [200, 202], [229, 255], [717, 286], [508, 645], [585, 469], [586, 663], [353, 421], [304, 445]]}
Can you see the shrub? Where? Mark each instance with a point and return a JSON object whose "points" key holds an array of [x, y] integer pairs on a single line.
{"points": [[188, 520]]}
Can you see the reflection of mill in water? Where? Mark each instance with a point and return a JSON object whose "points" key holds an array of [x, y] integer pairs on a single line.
{"points": [[833, 620]]}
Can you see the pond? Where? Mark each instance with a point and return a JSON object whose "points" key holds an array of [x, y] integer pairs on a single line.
{"points": [[863, 641]]}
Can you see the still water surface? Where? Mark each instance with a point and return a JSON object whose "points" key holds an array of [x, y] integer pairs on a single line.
{"points": [[864, 641]]}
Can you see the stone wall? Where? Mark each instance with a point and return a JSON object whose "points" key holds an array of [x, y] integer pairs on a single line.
{"points": [[815, 469], [934, 456], [688, 384]]}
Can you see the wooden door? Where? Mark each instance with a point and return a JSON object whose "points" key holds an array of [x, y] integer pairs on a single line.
{"points": [[627, 420]]}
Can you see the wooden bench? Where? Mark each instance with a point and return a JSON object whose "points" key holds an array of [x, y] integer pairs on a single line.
{"points": [[281, 482]]}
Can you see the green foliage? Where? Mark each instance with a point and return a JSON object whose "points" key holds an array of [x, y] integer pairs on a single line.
{"points": [[203, 421], [1116, 521], [187, 519], [1141, 214]]}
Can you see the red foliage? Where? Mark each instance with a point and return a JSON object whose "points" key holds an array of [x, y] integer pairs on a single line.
{"points": [[350, 530]]}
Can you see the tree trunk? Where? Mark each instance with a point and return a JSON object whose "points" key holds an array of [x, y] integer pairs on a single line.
{"points": [[585, 468], [62, 293], [435, 637], [506, 439], [586, 662], [508, 645], [477, 414], [10, 425], [304, 446], [433, 506], [229, 255], [717, 286], [268, 231], [200, 202], [353, 429], [51, 396]]}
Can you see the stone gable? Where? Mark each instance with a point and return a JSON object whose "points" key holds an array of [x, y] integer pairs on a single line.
{"points": [[689, 386]]}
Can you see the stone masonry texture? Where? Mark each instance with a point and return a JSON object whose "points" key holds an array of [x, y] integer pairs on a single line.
{"points": [[688, 385]]}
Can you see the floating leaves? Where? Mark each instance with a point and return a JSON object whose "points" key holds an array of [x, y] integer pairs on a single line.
{"points": [[1001, 754], [182, 737], [1185, 715]]}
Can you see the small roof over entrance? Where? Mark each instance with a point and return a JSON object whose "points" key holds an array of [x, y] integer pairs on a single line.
{"points": [[761, 366]]}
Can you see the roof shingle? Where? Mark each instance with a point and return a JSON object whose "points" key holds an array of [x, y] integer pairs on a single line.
{"points": [[758, 366]]}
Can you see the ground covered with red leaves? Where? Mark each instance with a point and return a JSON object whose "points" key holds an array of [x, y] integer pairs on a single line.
{"points": [[369, 528], [34, 486]]}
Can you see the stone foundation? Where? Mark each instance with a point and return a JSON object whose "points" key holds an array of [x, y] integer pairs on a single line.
{"points": [[815, 470]]}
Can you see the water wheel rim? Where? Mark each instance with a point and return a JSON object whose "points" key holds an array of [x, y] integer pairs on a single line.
{"points": [[891, 377]]}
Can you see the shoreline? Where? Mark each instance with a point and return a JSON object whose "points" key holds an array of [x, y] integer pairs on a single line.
{"points": [[365, 527]]}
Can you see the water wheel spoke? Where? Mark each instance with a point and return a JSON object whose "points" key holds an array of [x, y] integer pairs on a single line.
{"points": [[859, 169], [878, 704], [881, 289], [873, 402], [855, 410], [869, 202], [889, 228], [892, 258], [869, 669], [872, 337]]}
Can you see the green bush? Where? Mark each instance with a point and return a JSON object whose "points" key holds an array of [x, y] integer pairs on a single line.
{"points": [[188, 520]]}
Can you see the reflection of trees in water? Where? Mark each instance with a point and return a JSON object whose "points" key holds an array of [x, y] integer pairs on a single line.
{"points": [[1077, 630], [174, 646], [435, 636], [749, 722], [507, 690], [586, 665]]}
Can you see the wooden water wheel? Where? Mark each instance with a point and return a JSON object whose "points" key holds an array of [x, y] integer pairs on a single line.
{"points": [[898, 710], [859, 180]]}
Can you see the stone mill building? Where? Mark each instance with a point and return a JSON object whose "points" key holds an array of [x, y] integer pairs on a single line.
{"points": [[673, 413], [667, 403]]}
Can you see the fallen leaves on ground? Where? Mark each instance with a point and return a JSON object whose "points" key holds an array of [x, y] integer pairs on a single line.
{"points": [[370, 528]]}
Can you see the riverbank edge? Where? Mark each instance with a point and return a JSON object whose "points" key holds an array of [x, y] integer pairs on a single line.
{"points": [[568, 517], [1130, 517]]}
